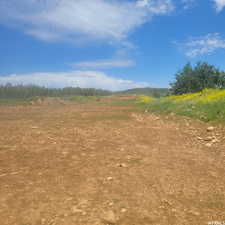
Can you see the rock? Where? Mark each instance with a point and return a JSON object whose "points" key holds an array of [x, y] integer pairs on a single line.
{"points": [[122, 165], [214, 141], [123, 210], [208, 145], [84, 213], [209, 129], [208, 139], [109, 217], [76, 210], [195, 213], [200, 138], [109, 178]]}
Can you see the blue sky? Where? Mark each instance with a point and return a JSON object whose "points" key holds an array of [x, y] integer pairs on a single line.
{"points": [[109, 44]]}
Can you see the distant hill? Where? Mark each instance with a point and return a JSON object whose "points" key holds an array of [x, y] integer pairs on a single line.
{"points": [[155, 92]]}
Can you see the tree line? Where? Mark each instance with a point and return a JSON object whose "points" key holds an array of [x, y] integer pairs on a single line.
{"points": [[9, 91]]}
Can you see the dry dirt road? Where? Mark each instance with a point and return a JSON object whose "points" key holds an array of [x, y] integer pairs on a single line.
{"points": [[98, 164]]}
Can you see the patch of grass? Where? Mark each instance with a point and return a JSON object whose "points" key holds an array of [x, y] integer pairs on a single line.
{"points": [[143, 99], [14, 102], [208, 105]]}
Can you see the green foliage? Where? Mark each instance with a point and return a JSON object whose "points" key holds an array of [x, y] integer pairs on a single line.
{"points": [[9, 91], [193, 79], [207, 105], [205, 112]]}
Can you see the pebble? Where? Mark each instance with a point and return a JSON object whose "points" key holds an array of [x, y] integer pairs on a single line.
{"points": [[123, 210], [209, 129], [122, 165], [194, 213], [208, 145], [109, 178], [76, 210], [109, 217], [208, 138]]}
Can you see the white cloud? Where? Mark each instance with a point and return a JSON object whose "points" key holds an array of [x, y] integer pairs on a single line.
{"points": [[110, 63], [79, 20], [143, 3], [220, 4], [83, 79], [203, 45]]}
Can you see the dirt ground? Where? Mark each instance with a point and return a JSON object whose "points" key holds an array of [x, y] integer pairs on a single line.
{"points": [[98, 164]]}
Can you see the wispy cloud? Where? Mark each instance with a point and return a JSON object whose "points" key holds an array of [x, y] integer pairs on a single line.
{"points": [[188, 3], [83, 79], [110, 63], [79, 20], [203, 45], [219, 5]]}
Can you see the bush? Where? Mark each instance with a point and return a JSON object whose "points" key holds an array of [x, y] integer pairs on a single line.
{"points": [[194, 79]]}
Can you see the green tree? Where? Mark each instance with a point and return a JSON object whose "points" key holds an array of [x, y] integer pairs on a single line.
{"points": [[193, 79]]}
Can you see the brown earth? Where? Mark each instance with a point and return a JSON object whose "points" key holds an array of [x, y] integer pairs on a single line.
{"points": [[101, 163]]}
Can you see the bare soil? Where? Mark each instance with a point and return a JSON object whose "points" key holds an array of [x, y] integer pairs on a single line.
{"points": [[102, 163]]}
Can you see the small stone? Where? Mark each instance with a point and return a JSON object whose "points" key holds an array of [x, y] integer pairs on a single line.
{"points": [[200, 138], [123, 210], [209, 129], [109, 217], [215, 140], [84, 213], [208, 138], [76, 210], [208, 145], [195, 213], [109, 178], [122, 165]]}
